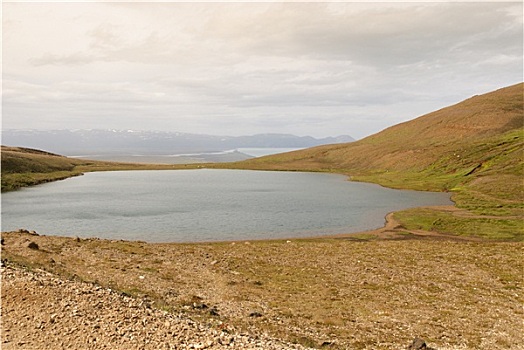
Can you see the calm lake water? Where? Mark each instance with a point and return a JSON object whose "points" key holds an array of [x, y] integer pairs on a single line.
{"points": [[205, 205]]}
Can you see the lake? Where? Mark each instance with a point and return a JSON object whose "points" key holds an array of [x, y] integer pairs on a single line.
{"points": [[205, 205]]}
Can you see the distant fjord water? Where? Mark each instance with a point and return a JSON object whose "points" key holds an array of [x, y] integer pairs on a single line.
{"points": [[231, 155], [205, 205]]}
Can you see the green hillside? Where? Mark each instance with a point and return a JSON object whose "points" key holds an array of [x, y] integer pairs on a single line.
{"points": [[474, 149]]}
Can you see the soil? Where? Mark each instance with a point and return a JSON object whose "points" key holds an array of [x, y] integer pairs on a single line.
{"points": [[376, 290]]}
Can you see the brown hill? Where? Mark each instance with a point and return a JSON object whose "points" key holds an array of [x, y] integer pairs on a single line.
{"points": [[440, 142], [474, 149], [23, 167], [27, 160]]}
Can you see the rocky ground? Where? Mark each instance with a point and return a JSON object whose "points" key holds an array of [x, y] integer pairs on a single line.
{"points": [[332, 293], [42, 311]]}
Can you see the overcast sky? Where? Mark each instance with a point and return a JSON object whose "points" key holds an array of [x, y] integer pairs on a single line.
{"points": [[320, 69]]}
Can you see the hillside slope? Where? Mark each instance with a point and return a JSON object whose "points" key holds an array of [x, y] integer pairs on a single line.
{"points": [[439, 140], [23, 167], [474, 149], [22, 160]]}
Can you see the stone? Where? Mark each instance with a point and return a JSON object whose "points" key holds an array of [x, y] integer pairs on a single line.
{"points": [[214, 311], [419, 344], [200, 306], [32, 245]]}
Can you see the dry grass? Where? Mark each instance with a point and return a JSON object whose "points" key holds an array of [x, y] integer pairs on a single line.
{"points": [[376, 294]]}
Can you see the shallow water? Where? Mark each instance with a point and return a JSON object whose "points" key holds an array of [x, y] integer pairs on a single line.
{"points": [[205, 205]]}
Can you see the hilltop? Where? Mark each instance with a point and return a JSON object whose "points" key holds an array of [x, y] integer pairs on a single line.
{"points": [[436, 144]]}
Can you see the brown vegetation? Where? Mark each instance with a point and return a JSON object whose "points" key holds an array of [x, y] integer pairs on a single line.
{"points": [[345, 293]]}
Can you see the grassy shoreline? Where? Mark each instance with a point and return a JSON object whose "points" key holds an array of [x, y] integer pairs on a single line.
{"points": [[490, 219]]}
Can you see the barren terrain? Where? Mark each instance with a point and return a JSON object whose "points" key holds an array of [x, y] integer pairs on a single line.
{"points": [[363, 292]]}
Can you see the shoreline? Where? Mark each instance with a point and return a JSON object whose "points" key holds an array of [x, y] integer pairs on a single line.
{"points": [[392, 230]]}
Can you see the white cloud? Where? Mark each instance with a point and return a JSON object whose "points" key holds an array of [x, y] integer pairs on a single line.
{"points": [[237, 68]]}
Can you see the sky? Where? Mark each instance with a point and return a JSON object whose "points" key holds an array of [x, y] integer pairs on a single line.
{"points": [[223, 68]]}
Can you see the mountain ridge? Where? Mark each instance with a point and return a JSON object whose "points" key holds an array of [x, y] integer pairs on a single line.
{"points": [[111, 141]]}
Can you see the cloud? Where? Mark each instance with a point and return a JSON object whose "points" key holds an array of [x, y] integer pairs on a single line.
{"points": [[231, 68]]}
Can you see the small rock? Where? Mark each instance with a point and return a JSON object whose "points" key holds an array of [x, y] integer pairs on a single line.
{"points": [[32, 245], [419, 344], [200, 306], [255, 314]]}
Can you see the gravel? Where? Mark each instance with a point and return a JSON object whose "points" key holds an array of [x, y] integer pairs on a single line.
{"points": [[42, 311]]}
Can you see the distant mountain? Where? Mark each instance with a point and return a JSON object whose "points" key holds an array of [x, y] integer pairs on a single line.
{"points": [[126, 142]]}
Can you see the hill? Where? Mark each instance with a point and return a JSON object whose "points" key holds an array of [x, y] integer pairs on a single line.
{"points": [[23, 167], [23, 160], [473, 148]]}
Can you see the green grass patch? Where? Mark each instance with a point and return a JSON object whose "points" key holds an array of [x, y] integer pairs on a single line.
{"points": [[448, 223], [11, 182]]}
